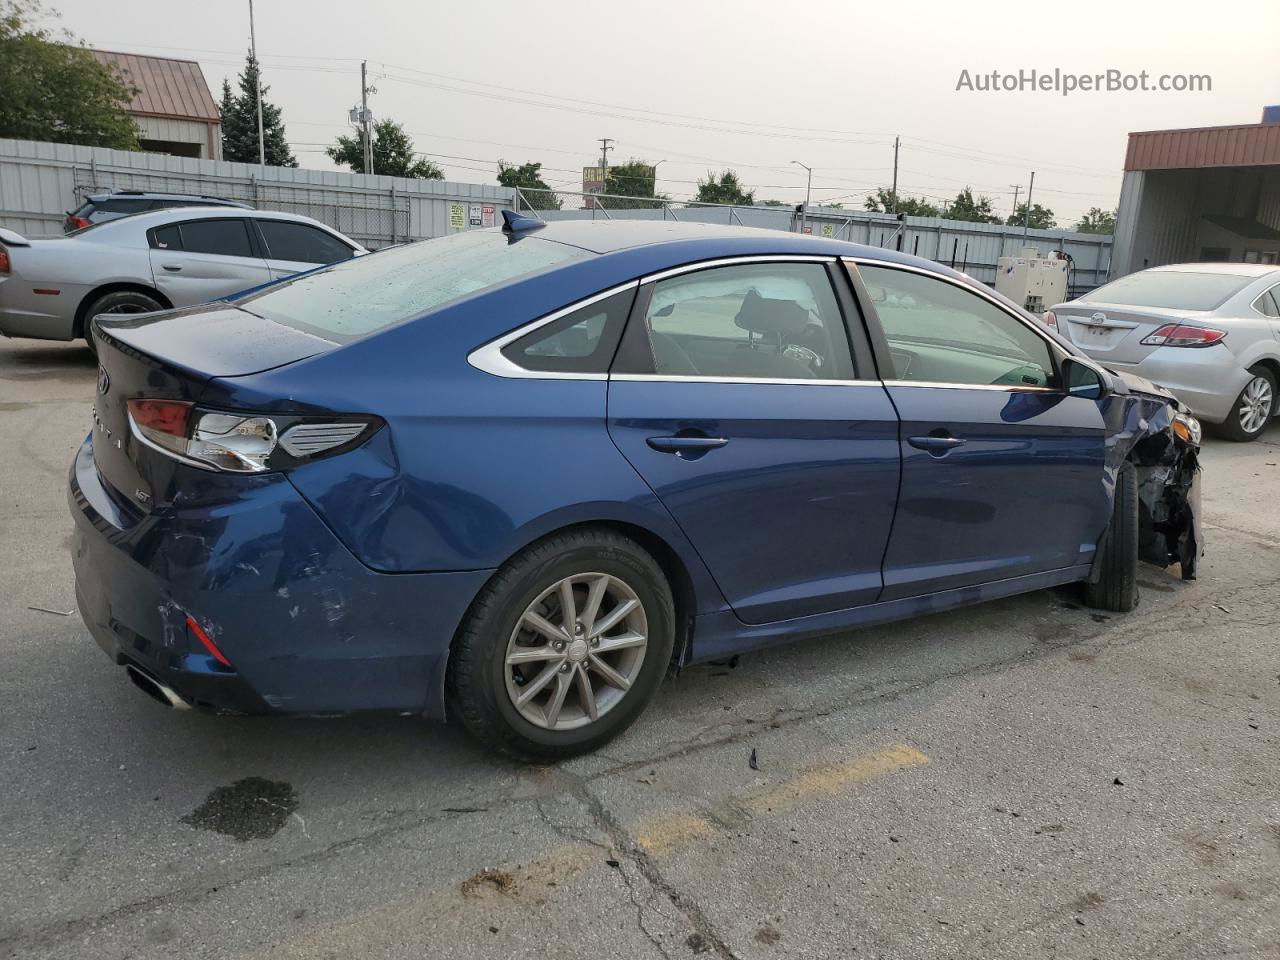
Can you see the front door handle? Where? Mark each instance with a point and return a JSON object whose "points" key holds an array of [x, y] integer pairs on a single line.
{"points": [[687, 447], [173, 267], [935, 445]]}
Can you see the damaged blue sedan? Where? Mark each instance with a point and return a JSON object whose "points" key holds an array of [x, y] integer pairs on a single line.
{"points": [[516, 477]]}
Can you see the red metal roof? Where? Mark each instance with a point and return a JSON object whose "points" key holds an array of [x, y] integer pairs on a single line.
{"points": [[166, 87], [1246, 145]]}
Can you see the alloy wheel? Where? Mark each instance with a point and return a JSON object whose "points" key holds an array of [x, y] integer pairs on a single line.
{"points": [[1256, 401], [576, 651]]}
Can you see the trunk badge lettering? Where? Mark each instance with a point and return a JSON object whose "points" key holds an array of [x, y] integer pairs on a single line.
{"points": [[142, 495]]}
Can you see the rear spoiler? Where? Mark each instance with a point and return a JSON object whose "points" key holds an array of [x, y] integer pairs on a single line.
{"points": [[11, 239]]}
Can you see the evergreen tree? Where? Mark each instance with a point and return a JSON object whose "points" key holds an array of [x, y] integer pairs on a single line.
{"points": [[240, 122]]}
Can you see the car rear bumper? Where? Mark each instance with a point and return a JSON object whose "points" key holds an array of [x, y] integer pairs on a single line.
{"points": [[307, 628], [1207, 380]]}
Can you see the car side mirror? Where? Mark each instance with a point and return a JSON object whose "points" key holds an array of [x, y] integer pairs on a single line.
{"points": [[1083, 380]]}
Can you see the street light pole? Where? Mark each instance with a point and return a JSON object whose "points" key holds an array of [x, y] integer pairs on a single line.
{"points": [[808, 189], [253, 51]]}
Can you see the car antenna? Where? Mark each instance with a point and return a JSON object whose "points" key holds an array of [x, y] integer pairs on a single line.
{"points": [[513, 222]]}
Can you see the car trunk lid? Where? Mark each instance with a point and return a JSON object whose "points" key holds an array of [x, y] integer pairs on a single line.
{"points": [[173, 356], [1115, 333]]}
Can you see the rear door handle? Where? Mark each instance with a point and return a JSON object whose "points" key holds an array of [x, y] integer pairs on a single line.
{"points": [[173, 267], [685, 446], [935, 444]]}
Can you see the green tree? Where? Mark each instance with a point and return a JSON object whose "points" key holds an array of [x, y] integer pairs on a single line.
{"points": [[240, 123], [527, 178], [965, 207], [635, 178], [1041, 217], [726, 188], [393, 154], [882, 202], [771, 203], [53, 89], [1097, 220]]}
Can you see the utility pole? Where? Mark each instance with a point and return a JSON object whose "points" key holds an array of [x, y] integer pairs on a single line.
{"points": [[804, 215], [253, 51], [364, 116], [895, 175], [1026, 220], [606, 144], [1017, 189]]}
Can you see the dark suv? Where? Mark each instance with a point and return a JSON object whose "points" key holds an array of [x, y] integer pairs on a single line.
{"points": [[111, 206]]}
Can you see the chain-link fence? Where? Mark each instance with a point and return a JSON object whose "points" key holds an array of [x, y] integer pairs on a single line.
{"points": [[372, 219], [574, 205]]}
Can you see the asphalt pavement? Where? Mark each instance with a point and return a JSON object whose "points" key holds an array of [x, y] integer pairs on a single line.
{"points": [[1027, 778]]}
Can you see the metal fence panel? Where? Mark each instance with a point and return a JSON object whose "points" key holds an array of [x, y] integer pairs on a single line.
{"points": [[975, 248], [40, 181]]}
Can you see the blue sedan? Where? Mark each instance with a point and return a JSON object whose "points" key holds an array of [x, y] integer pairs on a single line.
{"points": [[517, 476]]}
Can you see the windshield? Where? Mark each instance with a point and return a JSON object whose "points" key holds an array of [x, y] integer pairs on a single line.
{"points": [[1173, 289], [361, 296]]}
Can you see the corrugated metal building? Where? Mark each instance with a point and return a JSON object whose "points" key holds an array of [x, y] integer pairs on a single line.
{"points": [[173, 108], [1203, 194]]}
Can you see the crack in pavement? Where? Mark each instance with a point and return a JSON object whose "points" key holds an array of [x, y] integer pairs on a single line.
{"points": [[1118, 634]]}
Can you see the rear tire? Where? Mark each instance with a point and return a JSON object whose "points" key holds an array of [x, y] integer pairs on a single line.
{"points": [[1117, 585], [484, 686], [1253, 409], [117, 301]]}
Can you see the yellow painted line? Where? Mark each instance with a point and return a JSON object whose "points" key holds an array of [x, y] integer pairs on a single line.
{"points": [[660, 834], [833, 777]]}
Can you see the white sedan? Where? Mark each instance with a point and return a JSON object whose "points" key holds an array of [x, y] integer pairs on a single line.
{"points": [[51, 288], [1208, 332]]}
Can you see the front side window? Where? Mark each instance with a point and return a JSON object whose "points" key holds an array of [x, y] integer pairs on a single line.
{"points": [[777, 321], [940, 333], [227, 238], [301, 243]]}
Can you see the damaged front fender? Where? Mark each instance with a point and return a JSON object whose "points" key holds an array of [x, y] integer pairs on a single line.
{"points": [[1148, 427]]}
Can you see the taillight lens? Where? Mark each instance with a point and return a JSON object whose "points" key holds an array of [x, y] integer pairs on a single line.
{"points": [[4, 260], [241, 442], [1183, 335], [76, 223], [1051, 319]]}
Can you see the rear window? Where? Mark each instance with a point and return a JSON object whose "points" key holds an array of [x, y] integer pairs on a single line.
{"points": [[364, 295], [125, 206], [1174, 289]]}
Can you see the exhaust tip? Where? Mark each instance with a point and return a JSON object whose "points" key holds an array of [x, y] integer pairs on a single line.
{"points": [[155, 689]]}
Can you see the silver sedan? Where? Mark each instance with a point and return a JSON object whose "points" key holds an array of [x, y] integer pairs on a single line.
{"points": [[1209, 332], [51, 288]]}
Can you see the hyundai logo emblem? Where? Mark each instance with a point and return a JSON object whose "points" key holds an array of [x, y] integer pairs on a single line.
{"points": [[104, 381]]}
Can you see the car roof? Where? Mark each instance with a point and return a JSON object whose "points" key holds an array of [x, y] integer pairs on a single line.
{"points": [[618, 236], [152, 218], [1228, 269], [157, 194]]}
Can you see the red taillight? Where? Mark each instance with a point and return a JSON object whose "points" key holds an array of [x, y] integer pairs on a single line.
{"points": [[1051, 319], [1183, 335], [4, 260], [76, 223], [206, 642], [162, 416]]}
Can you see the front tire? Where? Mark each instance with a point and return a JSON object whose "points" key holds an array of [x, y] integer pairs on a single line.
{"points": [[564, 647], [1252, 410], [1117, 584]]}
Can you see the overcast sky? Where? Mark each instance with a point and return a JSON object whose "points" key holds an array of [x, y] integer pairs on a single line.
{"points": [[751, 85]]}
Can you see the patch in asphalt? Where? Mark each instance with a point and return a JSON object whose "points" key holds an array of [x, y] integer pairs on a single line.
{"points": [[250, 809]]}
